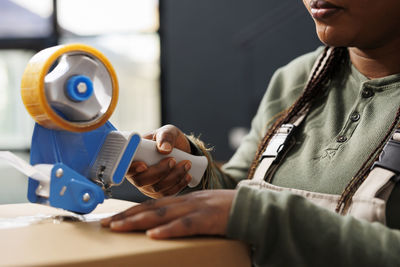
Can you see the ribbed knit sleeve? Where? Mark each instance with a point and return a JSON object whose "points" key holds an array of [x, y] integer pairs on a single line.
{"points": [[287, 230]]}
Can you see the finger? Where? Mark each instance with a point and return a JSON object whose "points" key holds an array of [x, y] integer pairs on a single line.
{"points": [[152, 218], [189, 225], [150, 135], [178, 187], [149, 191], [137, 167], [170, 191], [154, 173], [174, 177], [166, 138], [150, 204]]}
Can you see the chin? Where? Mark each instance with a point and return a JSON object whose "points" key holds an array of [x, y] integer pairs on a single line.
{"points": [[332, 37]]}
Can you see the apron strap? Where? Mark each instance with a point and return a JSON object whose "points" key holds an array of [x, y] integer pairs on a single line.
{"points": [[279, 142], [385, 171], [379, 183], [262, 168]]}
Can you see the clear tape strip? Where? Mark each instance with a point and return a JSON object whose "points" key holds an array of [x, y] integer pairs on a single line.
{"points": [[23, 221], [42, 173]]}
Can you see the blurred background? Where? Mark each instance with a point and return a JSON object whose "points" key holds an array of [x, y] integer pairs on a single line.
{"points": [[201, 65]]}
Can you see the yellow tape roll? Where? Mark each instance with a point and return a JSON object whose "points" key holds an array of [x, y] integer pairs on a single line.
{"points": [[34, 96]]}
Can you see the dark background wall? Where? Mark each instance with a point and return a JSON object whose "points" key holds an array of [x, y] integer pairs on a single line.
{"points": [[217, 57]]}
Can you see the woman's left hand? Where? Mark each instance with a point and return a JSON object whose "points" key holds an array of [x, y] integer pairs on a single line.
{"points": [[198, 213]]}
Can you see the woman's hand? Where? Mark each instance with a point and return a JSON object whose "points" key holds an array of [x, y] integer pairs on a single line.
{"points": [[168, 177], [199, 213]]}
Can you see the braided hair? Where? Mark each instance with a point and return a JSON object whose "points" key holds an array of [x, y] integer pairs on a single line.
{"points": [[320, 75], [327, 66], [348, 193]]}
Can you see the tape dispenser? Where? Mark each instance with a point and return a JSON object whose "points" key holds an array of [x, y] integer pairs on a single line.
{"points": [[76, 153]]}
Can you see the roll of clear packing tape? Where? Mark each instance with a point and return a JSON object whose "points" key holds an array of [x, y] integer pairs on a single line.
{"points": [[49, 95]]}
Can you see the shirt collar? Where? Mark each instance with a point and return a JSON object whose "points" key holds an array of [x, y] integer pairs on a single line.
{"points": [[383, 83]]}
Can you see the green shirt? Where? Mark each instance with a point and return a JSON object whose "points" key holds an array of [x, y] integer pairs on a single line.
{"points": [[287, 230]]}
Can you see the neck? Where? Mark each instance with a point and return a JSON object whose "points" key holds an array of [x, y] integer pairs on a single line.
{"points": [[377, 62]]}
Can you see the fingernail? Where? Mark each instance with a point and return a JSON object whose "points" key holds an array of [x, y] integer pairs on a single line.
{"points": [[140, 168], [171, 163], [105, 221], [152, 232], [188, 166], [116, 224], [166, 146]]}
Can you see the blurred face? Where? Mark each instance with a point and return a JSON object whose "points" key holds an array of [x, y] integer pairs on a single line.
{"points": [[365, 24]]}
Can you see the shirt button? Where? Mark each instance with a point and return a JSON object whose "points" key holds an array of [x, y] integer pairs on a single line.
{"points": [[355, 116], [341, 139], [367, 92]]}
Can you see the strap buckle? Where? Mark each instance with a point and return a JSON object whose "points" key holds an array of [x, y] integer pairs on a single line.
{"points": [[278, 142], [390, 157]]}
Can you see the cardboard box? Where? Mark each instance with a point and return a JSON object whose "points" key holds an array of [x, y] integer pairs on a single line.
{"points": [[33, 235]]}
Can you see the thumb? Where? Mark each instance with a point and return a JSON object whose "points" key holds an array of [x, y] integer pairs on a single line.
{"points": [[164, 147], [165, 139]]}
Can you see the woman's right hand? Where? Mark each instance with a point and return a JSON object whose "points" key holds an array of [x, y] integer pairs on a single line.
{"points": [[168, 177]]}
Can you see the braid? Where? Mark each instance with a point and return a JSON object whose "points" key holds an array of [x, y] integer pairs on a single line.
{"points": [[328, 62], [317, 80], [348, 193]]}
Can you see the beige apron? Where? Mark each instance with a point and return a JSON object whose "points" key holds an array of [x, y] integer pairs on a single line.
{"points": [[369, 201]]}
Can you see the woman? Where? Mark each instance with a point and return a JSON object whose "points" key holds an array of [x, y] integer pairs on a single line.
{"points": [[344, 102]]}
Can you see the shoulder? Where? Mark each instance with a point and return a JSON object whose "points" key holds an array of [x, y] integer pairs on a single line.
{"points": [[285, 87], [293, 77]]}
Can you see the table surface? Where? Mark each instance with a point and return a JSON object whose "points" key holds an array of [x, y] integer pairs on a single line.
{"points": [[33, 234]]}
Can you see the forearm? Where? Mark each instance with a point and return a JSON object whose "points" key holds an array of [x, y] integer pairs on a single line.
{"points": [[287, 230]]}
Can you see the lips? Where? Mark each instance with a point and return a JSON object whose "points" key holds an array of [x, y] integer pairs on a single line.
{"points": [[318, 4], [323, 10]]}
